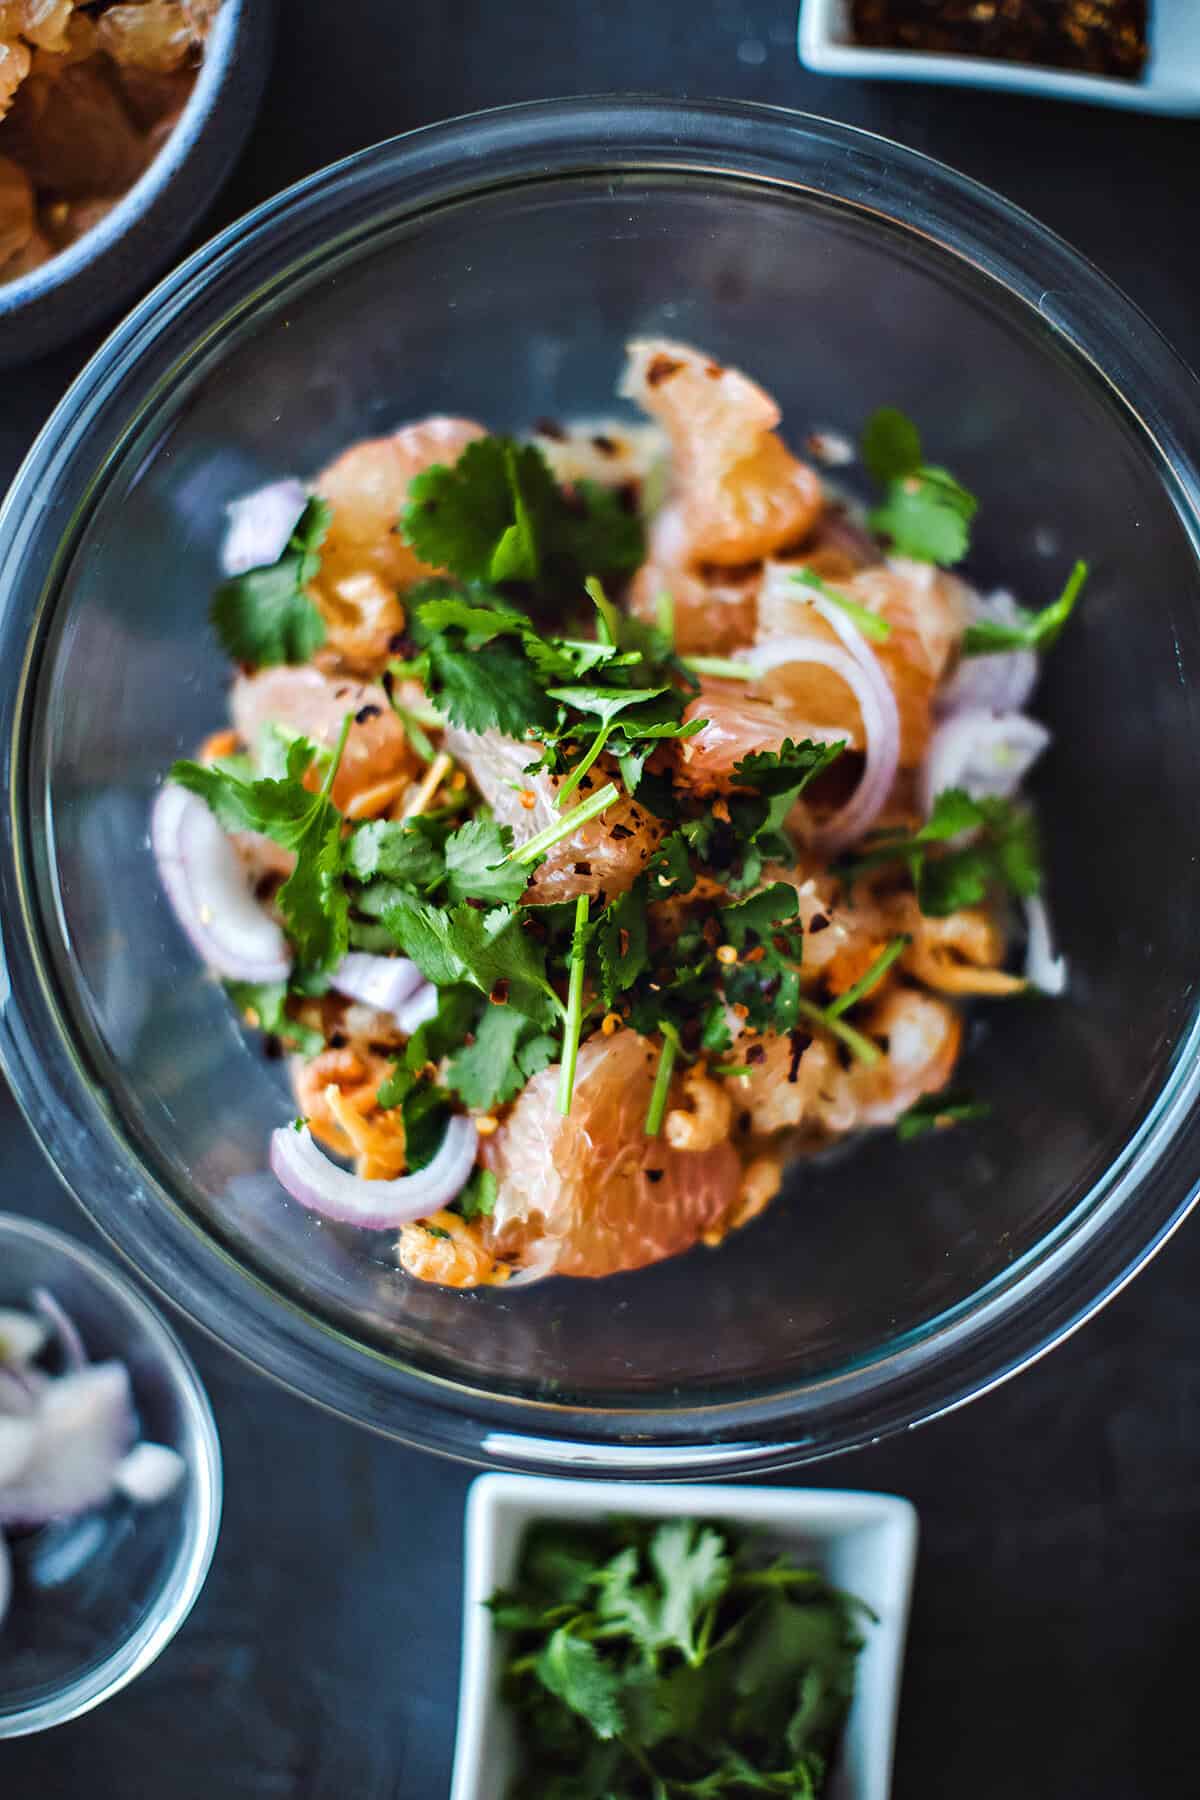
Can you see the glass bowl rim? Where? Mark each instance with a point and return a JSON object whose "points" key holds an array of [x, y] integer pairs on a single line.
{"points": [[1062, 1278], [193, 1555]]}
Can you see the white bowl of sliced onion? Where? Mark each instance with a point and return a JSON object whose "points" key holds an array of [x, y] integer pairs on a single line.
{"points": [[110, 1480]]}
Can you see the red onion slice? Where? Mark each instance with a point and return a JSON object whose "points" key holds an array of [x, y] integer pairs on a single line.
{"points": [[84, 1426], [1001, 682], [260, 524], [862, 674], [149, 1473], [17, 1439], [64, 1328], [21, 1337], [381, 982], [309, 1177], [418, 1010], [987, 754], [1043, 968], [207, 887]]}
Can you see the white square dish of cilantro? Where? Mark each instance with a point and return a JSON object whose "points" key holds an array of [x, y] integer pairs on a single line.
{"points": [[624, 1631]]}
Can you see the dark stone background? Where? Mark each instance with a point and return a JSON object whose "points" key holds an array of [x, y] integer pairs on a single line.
{"points": [[1058, 1585]]}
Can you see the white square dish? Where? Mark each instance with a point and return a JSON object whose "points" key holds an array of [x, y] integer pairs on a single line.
{"points": [[866, 1543], [1171, 83]]}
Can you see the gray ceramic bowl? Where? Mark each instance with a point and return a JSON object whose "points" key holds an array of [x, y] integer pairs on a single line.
{"points": [[135, 241]]}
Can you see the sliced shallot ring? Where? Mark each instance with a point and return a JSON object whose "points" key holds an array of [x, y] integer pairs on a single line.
{"points": [[317, 1183], [418, 1010], [149, 1473], [260, 524], [84, 1425], [64, 1328], [381, 982], [209, 891], [881, 726], [1043, 969], [986, 753]]}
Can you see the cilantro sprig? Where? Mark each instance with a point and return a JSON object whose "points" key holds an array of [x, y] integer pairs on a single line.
{"points": [[1002, 853], [1033, 631], [498, 516], [265, 616], [313, 899], [936, 1112], [925, 512], [675, 1659]]}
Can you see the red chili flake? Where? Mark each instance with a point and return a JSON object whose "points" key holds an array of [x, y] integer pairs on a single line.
{"points": [[818, 922], [744, 1122], [661, 369], [400, 644], [585, 781], [756, 1054], [499, 994], [387, 682], [583, 868], [623, 941], [605, 445], [550, 428], [272, 1049], [367, 712], [655, 1174], [630, 496], [479, 905], [756, 955], [340, 693], [714, 371], [620, 831], [338, 1040]]}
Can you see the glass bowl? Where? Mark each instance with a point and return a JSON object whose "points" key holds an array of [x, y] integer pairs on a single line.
{"points": [[97, 1598], [494, 267]]}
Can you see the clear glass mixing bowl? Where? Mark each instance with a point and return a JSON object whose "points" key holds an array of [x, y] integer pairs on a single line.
{"points": [[495, 266]]}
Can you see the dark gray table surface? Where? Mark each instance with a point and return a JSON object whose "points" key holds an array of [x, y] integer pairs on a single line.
{"points": [[1059, 1581]]}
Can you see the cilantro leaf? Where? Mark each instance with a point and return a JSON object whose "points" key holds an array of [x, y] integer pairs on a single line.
{"points": [[760, 913], [475, 865], [425, 1108], [396, 850], [936, 1111], [891, 444], [478, 1198], [497, 691], [670, 868], [489, 950], [265, 616], [925, 511], [499, 516], [692, 1566], [1003, 852], [622, 942], [1036, 631], [266, 1002], [788, 770], [572, 1670], [313, 899], [507, 1051]]}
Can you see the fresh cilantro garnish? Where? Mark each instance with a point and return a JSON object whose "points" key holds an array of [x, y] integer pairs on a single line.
{"points": [[671, 1659], [499, 516], [264, 1006], [925, 512], [396, 850], [489, 950], [765, 981], [477, 867], [478, 1198], [266, 616], [424, 1107], [1035, 631], [778, 778], [937, 1111], [622, 942], [313, 899], [1002, 853], [509, 1049], [573, 1018]]}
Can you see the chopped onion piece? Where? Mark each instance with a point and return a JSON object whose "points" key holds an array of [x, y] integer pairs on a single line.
{"points": [[1043, 969], [418, 1010], [260, 524], [309, 1177], [208, 888], [22, 1336], [858, 666], [1001, 682], [84, 1425], [63, 1327], [381, 982], [986, 753], [149, 1473], [17, 1438]]}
